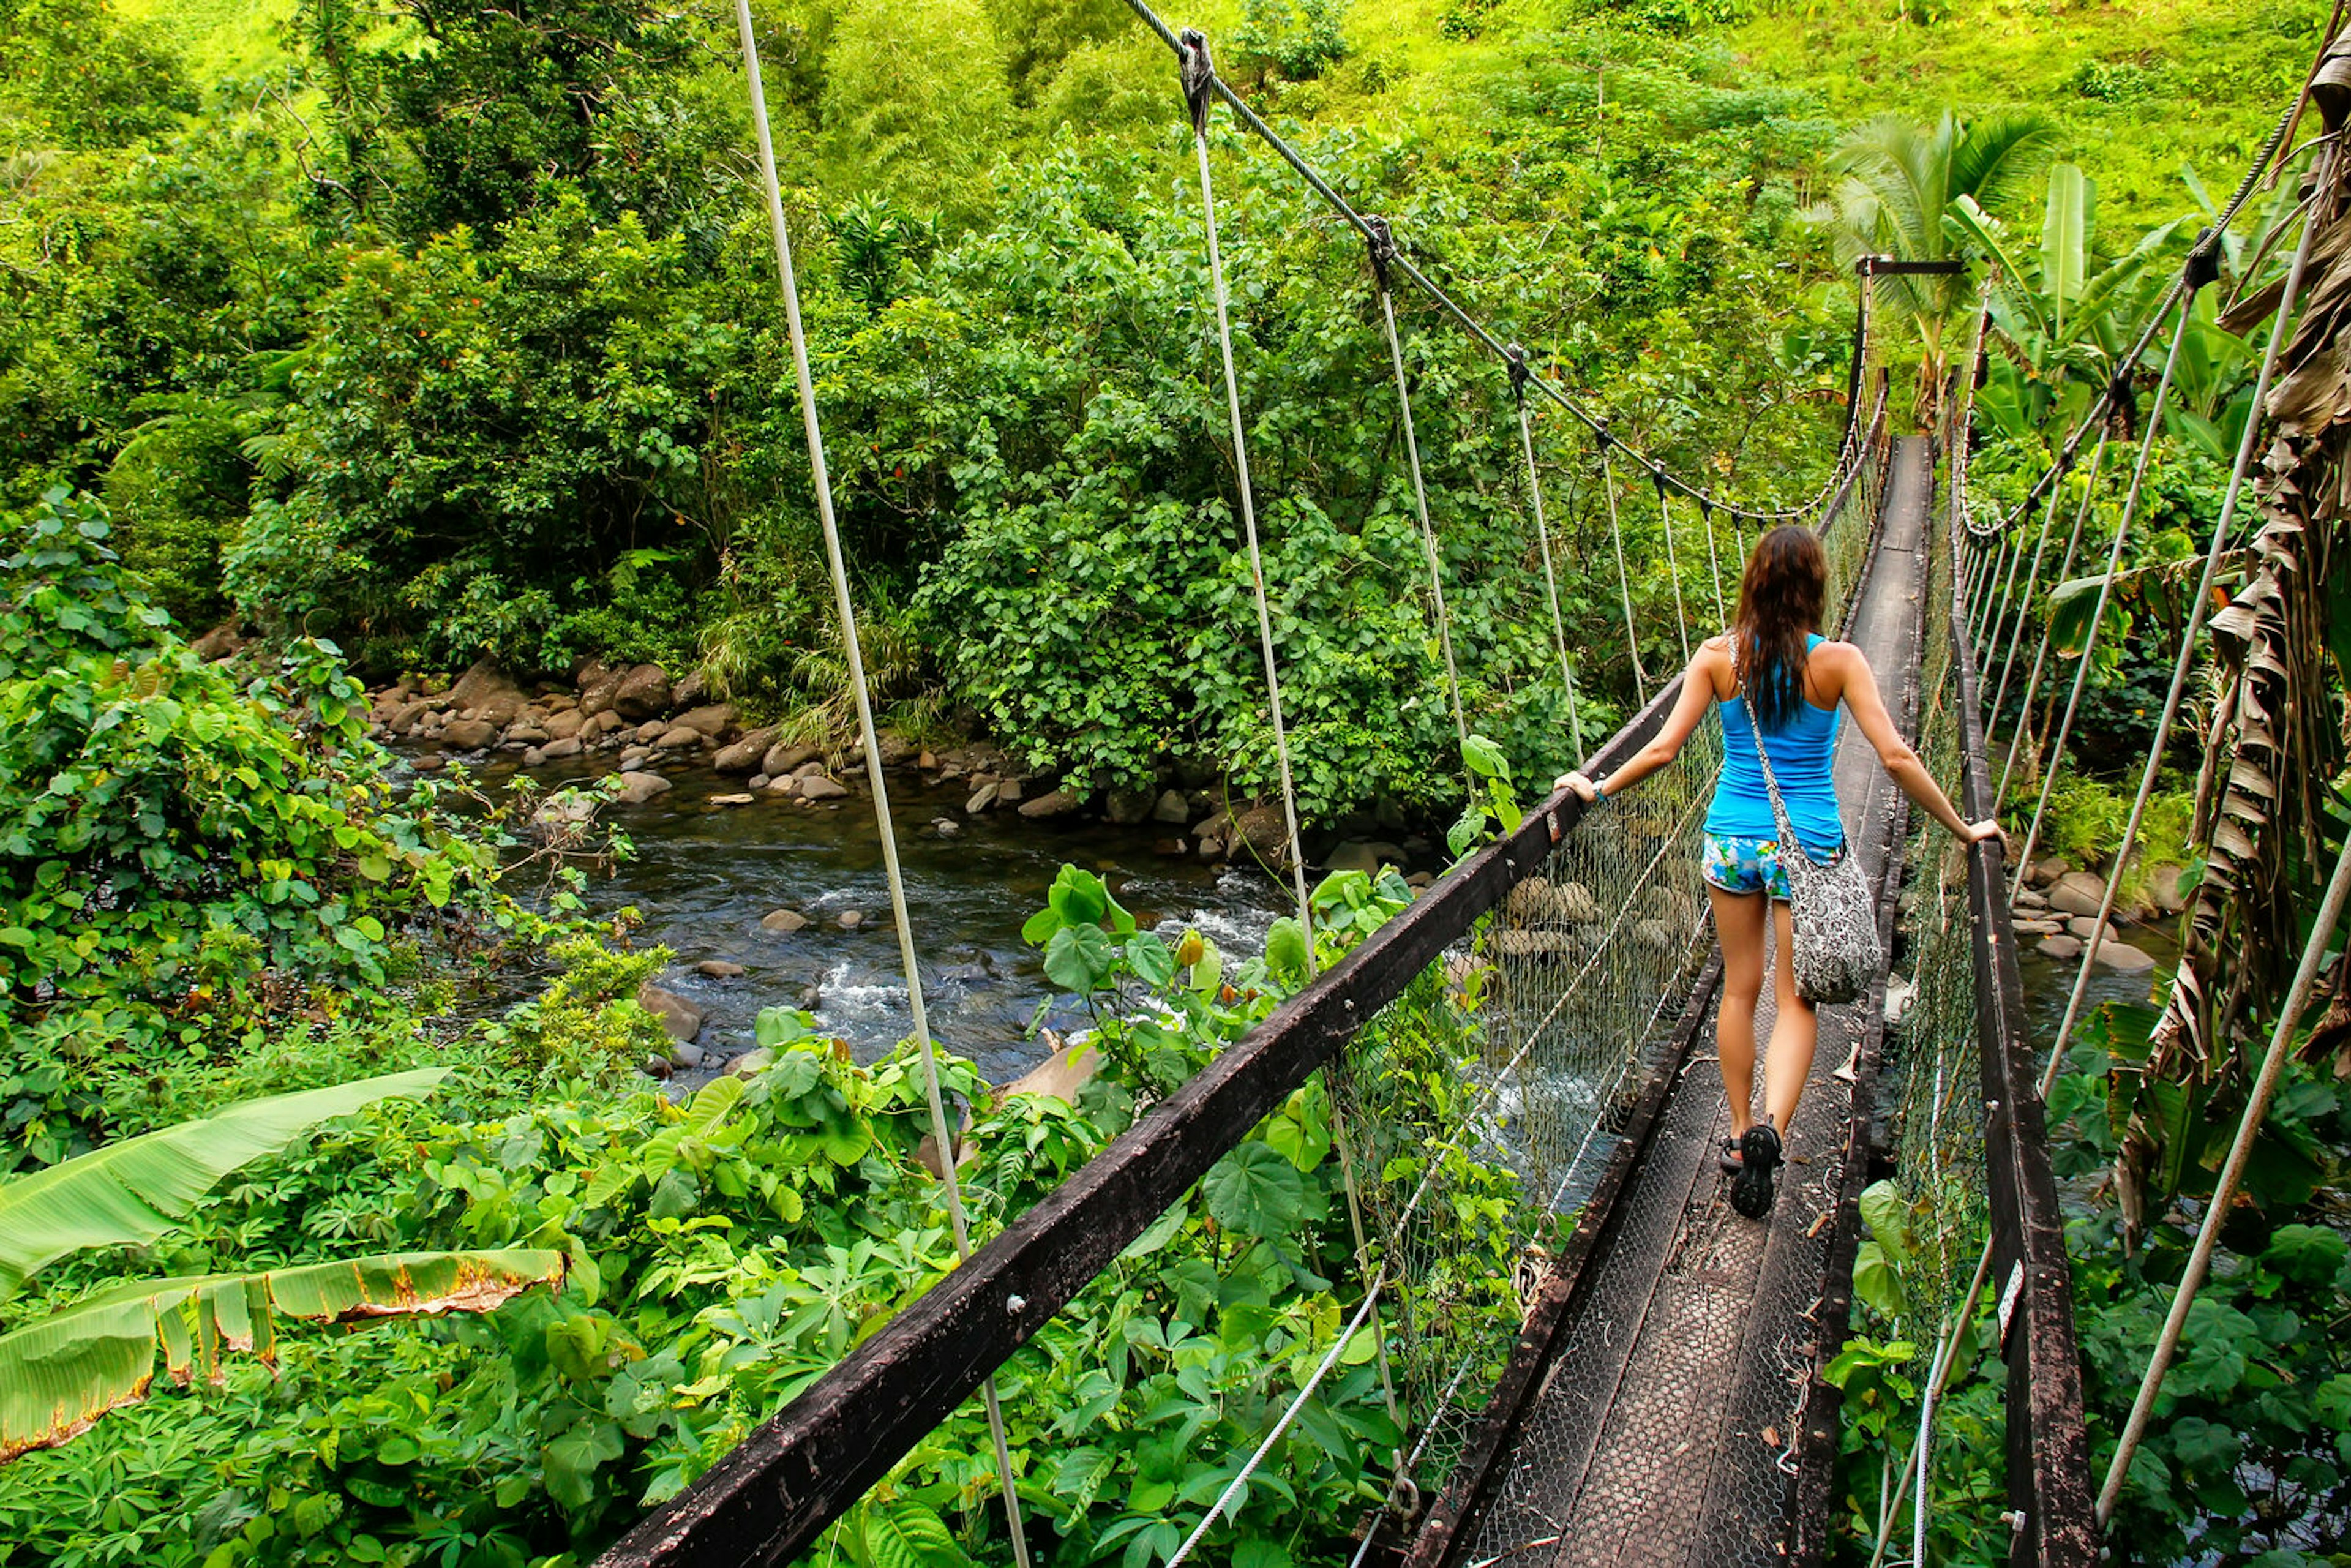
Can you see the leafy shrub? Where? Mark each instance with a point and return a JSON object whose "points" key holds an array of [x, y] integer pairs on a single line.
{"points": [[186, 857], [1298, 38], [726, 1252]]}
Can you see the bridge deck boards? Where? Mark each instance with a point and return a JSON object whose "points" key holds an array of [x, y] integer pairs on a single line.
{"points": [[1659, 1435]]}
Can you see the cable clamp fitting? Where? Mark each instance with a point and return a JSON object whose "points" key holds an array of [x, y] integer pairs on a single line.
{"points": [[1516, 356], [2204, 260], [1381, 241], [1197, 73], [1658, 478]]}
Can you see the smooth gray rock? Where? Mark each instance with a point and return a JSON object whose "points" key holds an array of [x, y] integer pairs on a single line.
{"points": [[783, 922], [1172, 809], [680, 1017], [636, 789]]}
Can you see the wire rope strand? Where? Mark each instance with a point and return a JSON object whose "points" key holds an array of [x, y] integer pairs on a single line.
{"points": [[2185, 661], [822, 481], [2082, 670], [2041, 654], [1249, 529], [1623, 577], [2010, 602], [1550, 577], [1713, 562], [1240, 1480], [1420, 506], [1673, 563], [2232, 1173]]}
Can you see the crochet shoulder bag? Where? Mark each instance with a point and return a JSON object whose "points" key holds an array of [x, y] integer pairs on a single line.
{"points": [[1837, 953]]}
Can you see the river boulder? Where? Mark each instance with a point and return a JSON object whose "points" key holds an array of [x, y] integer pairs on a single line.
{"points": [[636, 789], [783, 759], [680, 1018], [744, 755], [643, 693], [1058, 804], [468, 733], [2078, 893]]}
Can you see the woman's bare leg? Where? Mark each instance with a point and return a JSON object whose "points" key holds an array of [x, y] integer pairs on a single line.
{"points": [[1794, 1032], [1739, 924]]}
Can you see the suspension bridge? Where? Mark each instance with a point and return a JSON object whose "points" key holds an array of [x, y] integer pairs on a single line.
{"points": [[1663, 1394]]}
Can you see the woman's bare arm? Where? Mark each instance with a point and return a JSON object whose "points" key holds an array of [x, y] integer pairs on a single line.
{"points": [[1902, 763], [1697, 691]]}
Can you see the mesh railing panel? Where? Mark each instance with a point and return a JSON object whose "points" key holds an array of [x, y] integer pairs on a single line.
{"points": [[1573, 986], [1934, 1070]]}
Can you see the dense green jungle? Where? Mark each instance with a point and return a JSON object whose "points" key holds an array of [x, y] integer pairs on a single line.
{"points": [[357, 344]]}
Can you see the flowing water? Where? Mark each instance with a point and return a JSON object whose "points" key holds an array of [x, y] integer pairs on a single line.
{"points": [[704, 875]]}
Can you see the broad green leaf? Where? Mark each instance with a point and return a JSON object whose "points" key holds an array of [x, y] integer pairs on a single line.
{"points": [[1874, 1281], [1080, 959], [2064, 239], [1888, 1218], [1254, 1189], [134, 1191], [903, 1533], [572, 1459], [1285, 951], [61, 1374], [1153, 964], [1158, 1233]]}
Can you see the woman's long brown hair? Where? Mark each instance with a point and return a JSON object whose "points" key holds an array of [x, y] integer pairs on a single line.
{"points": [[1780, 603]]}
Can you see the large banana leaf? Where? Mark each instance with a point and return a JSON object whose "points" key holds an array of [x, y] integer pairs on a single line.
{"points": [[59, 1374], [2065, 238], [135, 1190]]}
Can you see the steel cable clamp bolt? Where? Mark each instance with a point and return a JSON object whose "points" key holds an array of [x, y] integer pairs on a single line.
{"points": [[1197, 73], [1380, 240]]}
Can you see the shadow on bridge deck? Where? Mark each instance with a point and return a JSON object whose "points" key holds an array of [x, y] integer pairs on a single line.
{"points": [[1670, 1429]]}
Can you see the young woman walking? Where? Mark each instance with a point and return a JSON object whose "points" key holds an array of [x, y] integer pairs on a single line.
{"points": [[1773, 667]]}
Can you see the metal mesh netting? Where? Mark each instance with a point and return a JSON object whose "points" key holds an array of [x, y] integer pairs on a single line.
{"points": [[1573, 985], [1935, 1084]]}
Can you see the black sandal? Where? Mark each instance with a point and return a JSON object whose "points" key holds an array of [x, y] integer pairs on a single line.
{"points": [[1731, 1160], [1751, 1193]]}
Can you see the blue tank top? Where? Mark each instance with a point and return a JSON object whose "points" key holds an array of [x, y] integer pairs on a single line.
{"points": [[1802, 755]]}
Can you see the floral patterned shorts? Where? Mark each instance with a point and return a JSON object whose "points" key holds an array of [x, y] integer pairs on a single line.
{"points": [[1744, 865]]}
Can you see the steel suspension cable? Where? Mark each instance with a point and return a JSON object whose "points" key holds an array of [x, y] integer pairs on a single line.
{"points": [[2009, 601], [2048, 629], [940, 1131], [2081, 671], [1542, 540], [1382, 248], [1198, 75], [1713, 561], [1624, 579], [2184, 662], [1673, 561]]}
